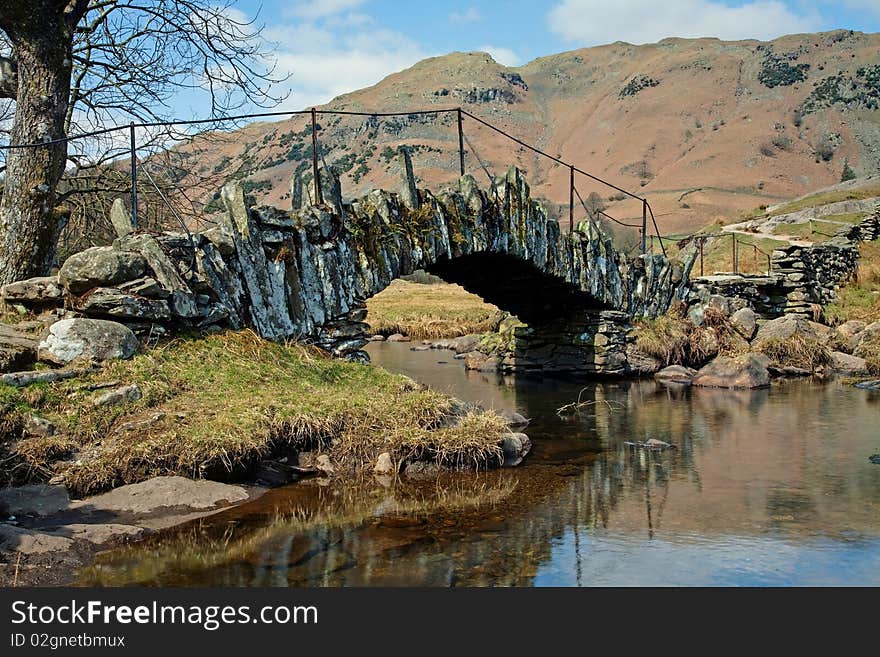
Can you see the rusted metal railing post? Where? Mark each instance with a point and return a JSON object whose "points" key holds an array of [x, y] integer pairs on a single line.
{"points": [[319, 198], [460, 143], [702, 241], [645, 224], [571, 200], [134, 176], [734, 255]]}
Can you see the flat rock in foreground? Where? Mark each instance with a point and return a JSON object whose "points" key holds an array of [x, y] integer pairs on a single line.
{"points": [[164, 493]]}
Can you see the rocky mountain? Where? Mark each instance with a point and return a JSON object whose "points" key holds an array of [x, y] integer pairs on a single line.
{"points": [[704, 128]]}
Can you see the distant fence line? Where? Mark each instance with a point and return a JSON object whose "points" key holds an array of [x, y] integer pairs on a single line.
{"points": [[459, 113]]}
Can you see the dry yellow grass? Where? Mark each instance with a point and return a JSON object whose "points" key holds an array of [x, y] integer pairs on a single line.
{"points": [[795, 351], [860, 299], [424, 311], [223, 402]]}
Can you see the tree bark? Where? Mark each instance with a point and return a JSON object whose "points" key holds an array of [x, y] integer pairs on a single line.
{"points": [[41, 32]]}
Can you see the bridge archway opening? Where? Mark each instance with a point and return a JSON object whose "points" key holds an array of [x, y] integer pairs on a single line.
{"points": [[517, 287]]}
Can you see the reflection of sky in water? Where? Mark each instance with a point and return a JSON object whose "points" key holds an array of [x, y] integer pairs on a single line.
{"points": [[599, 559]]}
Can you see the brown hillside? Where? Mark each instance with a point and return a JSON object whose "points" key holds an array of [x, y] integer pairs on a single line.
{"points": [[704, 128]]}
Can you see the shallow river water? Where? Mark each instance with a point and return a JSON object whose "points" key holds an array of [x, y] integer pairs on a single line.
{"points": [[770, 487]]}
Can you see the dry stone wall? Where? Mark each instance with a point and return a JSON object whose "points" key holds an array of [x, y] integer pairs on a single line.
{"points": [[802, 278]]}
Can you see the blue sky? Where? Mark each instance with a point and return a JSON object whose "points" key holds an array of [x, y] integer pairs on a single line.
{"points": [[334, 46]]}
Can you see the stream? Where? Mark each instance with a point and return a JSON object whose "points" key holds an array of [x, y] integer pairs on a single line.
{"points": [[764, 488]]}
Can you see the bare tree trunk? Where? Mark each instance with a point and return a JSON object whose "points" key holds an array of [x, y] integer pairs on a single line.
{"points": [[41, 33]]}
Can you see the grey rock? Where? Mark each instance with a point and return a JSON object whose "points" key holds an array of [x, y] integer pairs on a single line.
{"points": [[113, 302], [39, 426], [847, 364], [515, 447], [513, 419], [222, 240], [676, 374], [100, 533], [17, 350], [29, 542], [120, 218], [640, 363], [397, 337], [160, 493], [145, 287], [264, 281], [21, 379], [38, 290], [99, 266], [788, 326], [87, 339], [850, 329], [744, 321], [122, 395], [422, 470], [323, 463], [745, 371], [182, 301]]}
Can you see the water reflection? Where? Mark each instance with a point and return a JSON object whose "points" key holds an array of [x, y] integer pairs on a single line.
{"points": [[764, 487]]}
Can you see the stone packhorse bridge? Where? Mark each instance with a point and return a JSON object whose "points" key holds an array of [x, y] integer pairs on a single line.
{"points": [[306, 273]]}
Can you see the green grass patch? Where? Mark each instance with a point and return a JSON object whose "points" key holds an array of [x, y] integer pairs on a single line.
{"points": [[224, 402]]}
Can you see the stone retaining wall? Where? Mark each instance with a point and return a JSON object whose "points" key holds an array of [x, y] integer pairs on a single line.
{"points": [[802, 278]]}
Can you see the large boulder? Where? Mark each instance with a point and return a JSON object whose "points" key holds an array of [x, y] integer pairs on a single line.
{"points": [[100, 266], [846, 364], [788, 326], [742, 371], [87, 339]]}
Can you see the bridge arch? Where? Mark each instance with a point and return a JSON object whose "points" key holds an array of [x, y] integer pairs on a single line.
{"points": [[307, 273]]}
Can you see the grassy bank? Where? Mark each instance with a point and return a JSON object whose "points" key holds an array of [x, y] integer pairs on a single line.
{"points": [[860, 299], [214, 406], [426, 311]]}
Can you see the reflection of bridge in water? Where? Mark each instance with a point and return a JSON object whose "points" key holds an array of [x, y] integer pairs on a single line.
{"points": [[742, 476]]}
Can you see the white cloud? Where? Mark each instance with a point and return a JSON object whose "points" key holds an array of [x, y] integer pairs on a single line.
{"points": [[504, 56], [333, 55], [469, 15], [322, 8], [591, 22]]}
